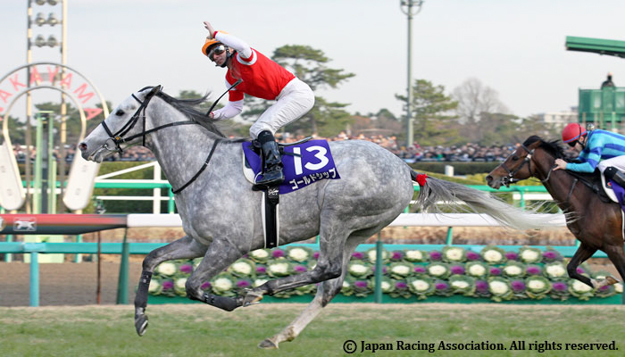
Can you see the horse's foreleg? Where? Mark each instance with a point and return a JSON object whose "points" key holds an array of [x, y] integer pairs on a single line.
{"points": [[184, 248], [220, 255], [583, 252]]}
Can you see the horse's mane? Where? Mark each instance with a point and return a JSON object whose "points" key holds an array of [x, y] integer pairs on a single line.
{"points": [[556, 149], [188, 107]]}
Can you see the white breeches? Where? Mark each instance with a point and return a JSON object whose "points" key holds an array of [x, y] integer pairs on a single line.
{"points": [[295, 100], [618, 162]]}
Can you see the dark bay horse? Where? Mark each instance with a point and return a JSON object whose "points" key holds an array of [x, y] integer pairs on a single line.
{"points": [[221, 214], [594, 220]]}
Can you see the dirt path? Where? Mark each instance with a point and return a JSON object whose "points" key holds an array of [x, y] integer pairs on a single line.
{"points": [[64, 284]]}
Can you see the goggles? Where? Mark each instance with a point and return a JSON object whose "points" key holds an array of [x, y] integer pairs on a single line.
{"points": [[216, 50]]}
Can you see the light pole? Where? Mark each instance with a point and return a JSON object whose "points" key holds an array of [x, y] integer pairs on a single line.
{"points": [[40, 41], [410, 8]]}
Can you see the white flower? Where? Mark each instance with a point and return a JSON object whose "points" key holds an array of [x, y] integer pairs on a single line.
{"points": [[357, 269], [555, 271], [420, 285], [618, 287], [513, 270], [460, 284], [477, 270], [534, 284], [181, 283], [454, 254], [437, 270], [529, 255], [414, 255], [222, 284], [259, 282], [298, 254], [259, 254], [168, 269], [581, 287], [492, 256], [242, 268], [498, 287], [279, 268], [386, 286], [154, 285], [402, 270], [372, 255], [345, 284]]}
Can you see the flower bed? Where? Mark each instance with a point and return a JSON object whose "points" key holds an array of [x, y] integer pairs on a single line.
{"points": [[492, 274]]}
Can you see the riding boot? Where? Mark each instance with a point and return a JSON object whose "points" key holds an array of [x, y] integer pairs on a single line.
{"points": [[615, 175], [272, 161]]}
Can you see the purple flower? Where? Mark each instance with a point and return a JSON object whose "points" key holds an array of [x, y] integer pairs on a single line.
{"points": [[205, 286], [472, 256], [186, 268], [168, 285], [360, 284], [457, 269], [604, 288], [300, 269], [581, 271], [550, 254], [401, 285], [441, 286], [278, 253], [261, 270], [481, 286], [434, 255], [316, 255], [358, 255], [397, 255], [533, 270], [559, 286], [512, 256], [517, 285], [384, 270], [419, 269], [243, 283], [495, 271]]}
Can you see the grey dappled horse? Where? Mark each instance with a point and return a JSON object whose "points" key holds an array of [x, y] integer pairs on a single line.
{"points": [[221, 215]]}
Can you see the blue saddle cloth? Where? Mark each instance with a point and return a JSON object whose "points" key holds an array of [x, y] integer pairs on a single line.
{"points": [[304, 164]]}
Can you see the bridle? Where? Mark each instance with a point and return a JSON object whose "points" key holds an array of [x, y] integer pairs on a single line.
{"points": [[118, 138], [510, 179]]}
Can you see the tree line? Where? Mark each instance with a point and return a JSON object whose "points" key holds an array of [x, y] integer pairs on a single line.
{"points": [[471, 113]]}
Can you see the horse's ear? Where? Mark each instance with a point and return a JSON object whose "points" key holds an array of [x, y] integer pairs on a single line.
{"points": [[155, 90]]}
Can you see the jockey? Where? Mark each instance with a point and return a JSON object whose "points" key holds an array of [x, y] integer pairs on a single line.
{"points": [[600, 149], [262, 78]]}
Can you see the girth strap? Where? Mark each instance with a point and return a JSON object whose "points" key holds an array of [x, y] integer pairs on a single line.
{"points": [[208, 159]]}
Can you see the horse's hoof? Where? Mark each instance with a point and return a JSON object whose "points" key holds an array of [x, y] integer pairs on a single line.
{"points": [[141, 324], [268, 344], [611, 280], [252, 298]]}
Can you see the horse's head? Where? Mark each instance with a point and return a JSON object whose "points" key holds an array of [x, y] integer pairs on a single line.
{"points": [[518, 166], [120, 128]]}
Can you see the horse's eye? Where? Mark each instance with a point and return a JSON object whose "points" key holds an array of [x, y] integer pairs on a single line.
{"points": [[119, 112], [515, 158]]}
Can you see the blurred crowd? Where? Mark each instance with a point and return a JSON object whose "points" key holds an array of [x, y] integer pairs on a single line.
{"points": [[463, 153]]}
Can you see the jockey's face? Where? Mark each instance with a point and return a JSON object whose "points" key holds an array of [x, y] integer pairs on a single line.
{"points": [[219, 55]]}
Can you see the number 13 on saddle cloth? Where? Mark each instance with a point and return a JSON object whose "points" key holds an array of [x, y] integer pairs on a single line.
{"points": [[304, 164]]}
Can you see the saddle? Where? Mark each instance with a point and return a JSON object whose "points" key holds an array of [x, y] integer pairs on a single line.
{"points": [[305, 162]]}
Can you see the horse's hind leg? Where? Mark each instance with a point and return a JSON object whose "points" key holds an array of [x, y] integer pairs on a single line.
{"points": [[183, 248], [583, 252], [325, 292], [617, 257]]}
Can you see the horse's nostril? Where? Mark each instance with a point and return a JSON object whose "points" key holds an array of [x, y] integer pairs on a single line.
{"points": [[82, 146], [489, 178]]}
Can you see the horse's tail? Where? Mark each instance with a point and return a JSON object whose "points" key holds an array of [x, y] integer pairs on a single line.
{"points": [[435, 191]]}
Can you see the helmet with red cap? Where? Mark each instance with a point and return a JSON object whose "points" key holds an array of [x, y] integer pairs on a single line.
{"points": [[572, 133]]}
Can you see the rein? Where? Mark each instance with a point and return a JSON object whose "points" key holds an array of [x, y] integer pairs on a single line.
{"points": [[118, 138], [527, 160]]}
